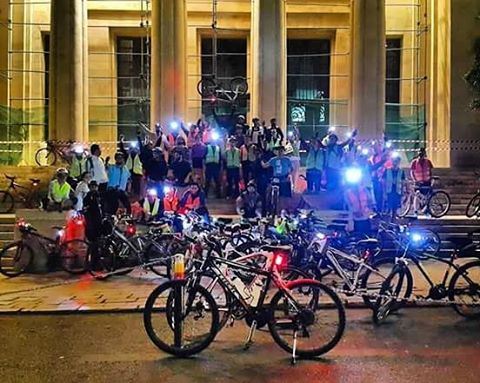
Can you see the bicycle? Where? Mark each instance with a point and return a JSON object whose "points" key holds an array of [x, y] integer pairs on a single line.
{"points": [[209, 87], [54, 151], [16, 257], [291, 314], [452, 288], [425, 200], [16, 193], [473, 207]]}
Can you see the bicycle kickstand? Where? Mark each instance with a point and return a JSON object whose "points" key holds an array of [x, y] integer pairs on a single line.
{"points": [[251, 331], [294, 350]]}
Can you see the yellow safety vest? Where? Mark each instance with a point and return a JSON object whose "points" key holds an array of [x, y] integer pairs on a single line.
{"points": [[134, 166], [146, 207], [389, 181], [213, 154], [233, 158], [78, 167], [333, 158], [60, 192]]}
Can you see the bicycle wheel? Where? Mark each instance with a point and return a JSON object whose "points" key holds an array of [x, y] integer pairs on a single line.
{"points": [[405, 206], [45, 157], [465, 287], [372, 282], [6, 202], [15, 259], [74, 256], [275, 197], [222, 298], [473, 207], [438, 204], [390, 295], [194, 315], [206, 87], [239, 86], [309, 317]]}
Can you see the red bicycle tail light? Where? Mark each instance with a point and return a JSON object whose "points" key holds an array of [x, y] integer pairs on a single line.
{"points": [[131, 229], [279, 259]]}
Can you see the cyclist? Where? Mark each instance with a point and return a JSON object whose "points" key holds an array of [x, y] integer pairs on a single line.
{"points": [[92, 209], [82, 190], [315, 161], [198, 153], [394, 181], [212, 165], [77, 167], [193, 200], [255, 133], [118, 176], [358, 199], [232, 162], [156, 169], [152, 206], [421, 170], [282, 168], [170, 199], [96, 168], [59, 192], [134, 165], [181, 170], [249, 203]]}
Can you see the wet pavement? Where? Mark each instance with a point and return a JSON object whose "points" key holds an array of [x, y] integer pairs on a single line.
{"points": [[417, 345]]}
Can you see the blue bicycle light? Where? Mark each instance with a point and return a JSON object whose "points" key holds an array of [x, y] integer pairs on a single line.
{"points": [[167, 189], [215, 135], [353, 175], [174, 125], [416, 237], [134, 144]]}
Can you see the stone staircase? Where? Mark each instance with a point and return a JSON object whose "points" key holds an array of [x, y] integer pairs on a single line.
{"points": [[7, 229]]}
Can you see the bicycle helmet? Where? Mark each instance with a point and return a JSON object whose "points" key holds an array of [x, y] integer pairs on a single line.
{"points": [[62, 171]]}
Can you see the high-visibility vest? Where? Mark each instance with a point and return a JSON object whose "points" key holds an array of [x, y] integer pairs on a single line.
{"points": [[60, 192], [233, 158], [244, 153], [333, 159], [77, 167], [398, 181], [147, 208], [315, 159], [134, 166], [422, 170], [171, 201], [213, 154]]}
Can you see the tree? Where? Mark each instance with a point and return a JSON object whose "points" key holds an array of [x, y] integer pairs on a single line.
{"points": [[472, 77]]}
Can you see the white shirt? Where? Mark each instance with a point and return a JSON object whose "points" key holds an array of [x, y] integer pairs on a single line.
{"points": [[96, 166], [80, 192]]}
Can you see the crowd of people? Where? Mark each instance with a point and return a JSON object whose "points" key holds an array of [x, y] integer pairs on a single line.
{"points": [[180, 167]]}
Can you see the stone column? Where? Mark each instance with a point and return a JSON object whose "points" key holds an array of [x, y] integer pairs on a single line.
{"points": [[368, 68], [269, 61], [168, 93], [68, 103]]}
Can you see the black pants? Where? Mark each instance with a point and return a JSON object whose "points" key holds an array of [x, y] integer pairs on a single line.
{"points": [[262, 186], [113, 199], [212, 172], [314, 177], [233, 178], [247, 171], [378, 194], [333, 178], [137, 184]]}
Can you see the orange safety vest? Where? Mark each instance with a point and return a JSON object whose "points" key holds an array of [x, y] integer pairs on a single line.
{"points": [[171, 201], [422, 169]]}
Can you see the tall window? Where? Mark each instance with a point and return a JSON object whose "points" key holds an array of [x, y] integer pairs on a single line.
{"points": [[308, 84], [133, 103], [46, 91], [393, 71], [231, 60]]}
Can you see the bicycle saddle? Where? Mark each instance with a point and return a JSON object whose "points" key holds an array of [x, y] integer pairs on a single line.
{"points": [[12, 178], [57, 227], [368, 242], [35, 180], [276, 248]]}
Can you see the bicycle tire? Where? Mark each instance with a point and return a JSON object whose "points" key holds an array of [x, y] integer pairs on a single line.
{"points": [[453, 291], [7, 203], [431, 243], [275, 201], [473, 207], [239, 85], [26, 252], [172, 349], [384, 306], [45, 157], [447, 204], [406, 206], [376, 264], [206, 87], [71, 254], [283, 342]]}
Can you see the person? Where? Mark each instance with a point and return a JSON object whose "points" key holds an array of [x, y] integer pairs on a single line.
{"points": [[82, 190], [179, 148], [198, 153], [359, 202], [314, 166], [212, 166], [245, 162], [118, 176], [193, 200], [263, 175], [394, 180], [282, 169], [232, 162], [77, 167], [255, 133], [93, 212], [152, 206], [193, 133], [181, 170], [333, 158], [59, 192], [134, 165], [240, 127], [293, 152], [421, 170], [249, 203], [156, 169], [378, 165], [273, 134], [96, 167], [170, 198]]}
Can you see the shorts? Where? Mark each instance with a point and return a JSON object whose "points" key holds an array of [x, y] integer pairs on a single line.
{"points": [[197, 163]]}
